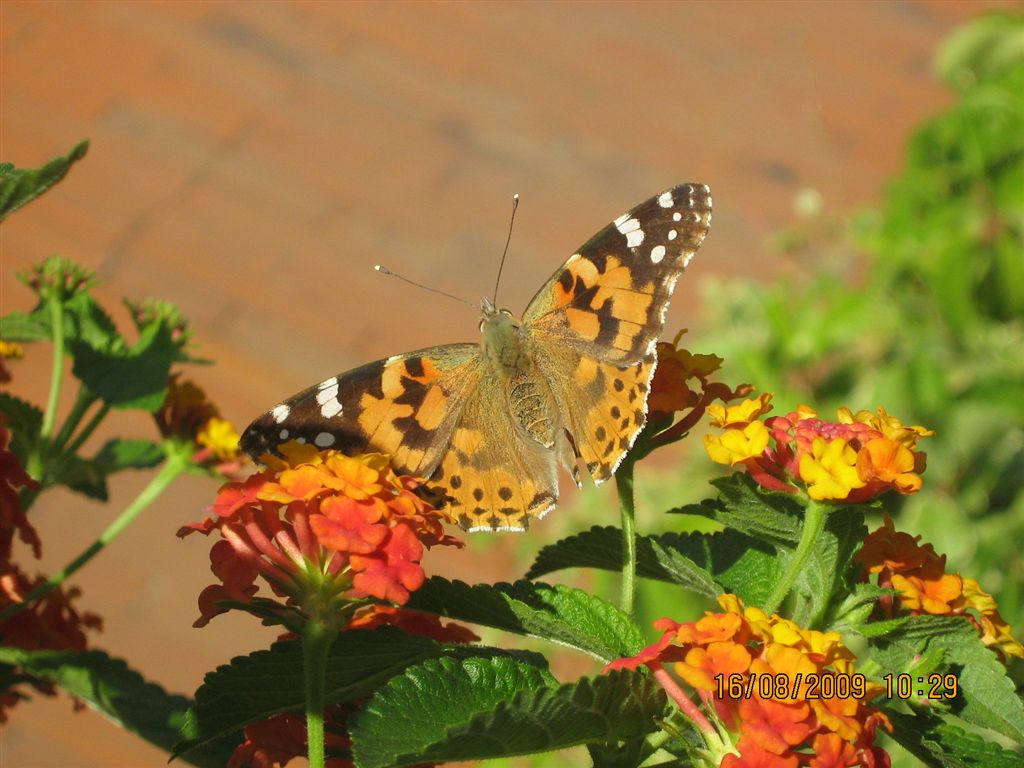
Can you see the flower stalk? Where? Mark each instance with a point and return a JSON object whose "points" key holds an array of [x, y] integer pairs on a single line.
{"points": [[317, 637], [627, 508], [814, 523]]}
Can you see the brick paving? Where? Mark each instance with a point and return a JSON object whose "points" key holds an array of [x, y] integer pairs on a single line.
{"points": [[251, 161]]}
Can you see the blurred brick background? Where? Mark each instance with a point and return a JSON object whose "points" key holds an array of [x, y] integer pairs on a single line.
{"points": [[251, 161]]}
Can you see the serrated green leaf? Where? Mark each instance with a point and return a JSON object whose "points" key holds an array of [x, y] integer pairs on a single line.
{"points": [[24, 420], [134, 378], [746, 507], [117, 455], [555, 613], [474, 710], [853, 612], [704, 563], [937, 743], [19, 186], [24, 327], [987, 695], [118, 692], [264, 683]]}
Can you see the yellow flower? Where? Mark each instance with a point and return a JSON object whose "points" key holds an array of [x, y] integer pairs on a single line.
{"points": [[736, 445], [737, 415], [830, 469], [220, 437]]}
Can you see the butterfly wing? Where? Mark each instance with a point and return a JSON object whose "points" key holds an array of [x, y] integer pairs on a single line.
{"points": [[594, 325], [407, 405], [497, 476]]}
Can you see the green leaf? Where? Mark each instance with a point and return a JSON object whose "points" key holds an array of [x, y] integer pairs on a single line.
{"points": [[117, 455], [254, 687], [477, 710], [118, 692], [550, 612], [937, 743], [24, 420], [987, 695], [852, 614], [707, 564], [827, 569], [744, 506], [19, 186], [134, 378], [24, 327]]}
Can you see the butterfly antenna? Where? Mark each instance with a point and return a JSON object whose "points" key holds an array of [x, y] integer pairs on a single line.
{"points": [[515, 205], [385, 271]]}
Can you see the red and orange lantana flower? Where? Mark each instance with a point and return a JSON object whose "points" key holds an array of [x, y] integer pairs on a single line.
{"points": [[319, 524], [762, 680]]}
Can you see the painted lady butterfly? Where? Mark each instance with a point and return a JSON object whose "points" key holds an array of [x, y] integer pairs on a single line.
{"points": [[490, 421]]}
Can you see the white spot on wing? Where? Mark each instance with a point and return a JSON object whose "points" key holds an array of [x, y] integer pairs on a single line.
{"points": [[324, 440], [677, 216], [657, 253], [280, 412], [284, 434], [631, 229], [327, 398], [330, 409], [672, 234], [665, 200]]}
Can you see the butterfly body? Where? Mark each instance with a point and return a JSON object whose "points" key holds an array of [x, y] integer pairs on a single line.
{"points": [[566, 384]]}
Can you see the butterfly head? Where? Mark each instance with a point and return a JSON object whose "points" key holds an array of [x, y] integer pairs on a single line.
{"points": [[500, 331]]}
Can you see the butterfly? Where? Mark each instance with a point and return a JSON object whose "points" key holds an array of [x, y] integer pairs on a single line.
{"points": [[491, 421]]}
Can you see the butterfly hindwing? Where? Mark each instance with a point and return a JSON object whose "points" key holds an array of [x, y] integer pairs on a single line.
{"points": [[603, 405], [496, 475], [406, 405], [609, 299]]}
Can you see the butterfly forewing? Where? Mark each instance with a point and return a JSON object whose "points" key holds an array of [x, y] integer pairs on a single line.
{"points": [[609, 299], [406, 406]]}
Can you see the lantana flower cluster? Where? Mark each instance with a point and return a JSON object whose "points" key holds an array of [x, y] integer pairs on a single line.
{"points": [[682, 383], [852, 459], [759, 677], [322, 526], [188, 414], [51, 623], [918, 575]]}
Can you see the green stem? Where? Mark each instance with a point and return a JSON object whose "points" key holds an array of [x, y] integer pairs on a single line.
{"points": [[175, 464], [87, 431], [83, 400], [627, 508], [57, 373], [317, 637], [814, 524]]}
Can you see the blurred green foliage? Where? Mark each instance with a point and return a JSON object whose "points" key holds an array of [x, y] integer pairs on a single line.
{"points": [[918, 306]]}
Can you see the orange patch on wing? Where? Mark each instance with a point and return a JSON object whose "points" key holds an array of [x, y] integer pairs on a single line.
{"points": [[585, 323], [468, 440], [432, 409], [586, 371], [632, 307]]}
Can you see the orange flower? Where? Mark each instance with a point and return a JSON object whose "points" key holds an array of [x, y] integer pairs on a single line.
{"points": [[344, 527], [918, 574]]}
